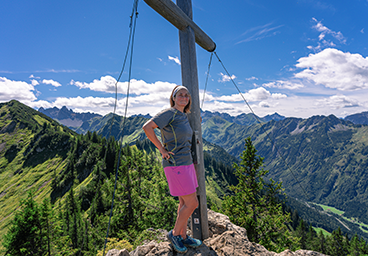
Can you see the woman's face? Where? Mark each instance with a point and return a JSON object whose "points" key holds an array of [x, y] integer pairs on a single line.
{"points": [[181, 98]]}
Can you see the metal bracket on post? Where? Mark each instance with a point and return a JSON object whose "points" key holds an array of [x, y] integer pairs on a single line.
{"points": [[196, 222], [195, 147]]}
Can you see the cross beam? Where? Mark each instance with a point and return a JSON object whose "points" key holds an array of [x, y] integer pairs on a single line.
{"points": [[170, 11], [180, 16]]}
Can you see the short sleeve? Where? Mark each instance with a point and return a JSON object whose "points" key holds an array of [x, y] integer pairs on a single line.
{"points": [[163, 118]]}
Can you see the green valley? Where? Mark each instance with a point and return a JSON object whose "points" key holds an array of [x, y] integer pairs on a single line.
{"points": [[321, 159]]}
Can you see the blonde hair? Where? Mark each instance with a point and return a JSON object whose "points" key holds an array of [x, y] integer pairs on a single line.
{"points": [[187, 107]]}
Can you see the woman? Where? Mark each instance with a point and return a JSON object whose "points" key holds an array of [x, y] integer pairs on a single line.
{"points": [[176, 135]]}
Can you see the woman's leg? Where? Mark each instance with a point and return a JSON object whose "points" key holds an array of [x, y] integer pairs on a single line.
{"points": [[181, 204], [187, 205]]}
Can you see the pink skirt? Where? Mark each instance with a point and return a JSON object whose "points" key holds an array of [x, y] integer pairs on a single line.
{"points": [[182, 179]]}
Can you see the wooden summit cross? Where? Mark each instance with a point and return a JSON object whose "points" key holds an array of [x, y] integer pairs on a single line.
{"points": [[181, 16]]}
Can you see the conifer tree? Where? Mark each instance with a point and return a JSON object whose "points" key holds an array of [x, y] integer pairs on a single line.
{"points": [[110, 155], [295, 219], [322, 243], [45, 212], [302, 234], [254, 205], [73, 219], [338, 247], [311, 239], [354, 249], [24, 236], [363, 246]]}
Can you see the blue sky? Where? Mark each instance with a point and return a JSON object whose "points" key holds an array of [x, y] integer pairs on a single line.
{"points": [[298, 58]]}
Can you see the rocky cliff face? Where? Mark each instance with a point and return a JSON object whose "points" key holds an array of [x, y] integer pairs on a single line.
{"points": [[226, 239]]}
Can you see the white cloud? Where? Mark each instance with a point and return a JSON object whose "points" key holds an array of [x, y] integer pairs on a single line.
{"points": [[144, 97], [251, 78], [176, 59], [51, 82], [40, 103], [83, 102], [260, 32], [258, 94], [61, 71], [107, 84], [338, 101], [35, 77], [278, 96], [264, 104], [284, 85], [226, 78], [335, 69], [326, 31], [34, 82], [17, 90], [323, 40]]}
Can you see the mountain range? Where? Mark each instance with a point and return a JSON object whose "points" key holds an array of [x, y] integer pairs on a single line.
{"points": [[322, 159], [360, 118], [81, 121], [67, 117]]}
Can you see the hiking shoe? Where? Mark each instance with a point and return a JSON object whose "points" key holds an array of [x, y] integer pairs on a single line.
{"points": [[192, 242], [177, 242]]}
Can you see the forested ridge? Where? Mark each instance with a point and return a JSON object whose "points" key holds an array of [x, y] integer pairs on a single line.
{"points": [[58, 185]]}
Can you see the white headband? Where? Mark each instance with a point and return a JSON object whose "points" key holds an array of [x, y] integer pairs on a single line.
{"points": [[178, 89]]}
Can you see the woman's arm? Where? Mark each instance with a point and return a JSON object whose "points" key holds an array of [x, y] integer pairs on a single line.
{"points": [[149, 128]]}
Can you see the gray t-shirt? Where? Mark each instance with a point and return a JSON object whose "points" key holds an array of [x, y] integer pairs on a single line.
{"points": [[176, 135]]}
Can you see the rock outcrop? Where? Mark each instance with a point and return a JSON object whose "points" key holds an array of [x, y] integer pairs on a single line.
{"points": [[226, 239]]}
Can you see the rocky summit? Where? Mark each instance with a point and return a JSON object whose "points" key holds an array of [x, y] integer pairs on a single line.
{"points": [[226, 239]]}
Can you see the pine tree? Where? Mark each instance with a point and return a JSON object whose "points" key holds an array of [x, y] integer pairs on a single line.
{"points": [[45, 212], [322, 243], [312, 239], [25, 235], [338, 244], [295, 219], [110, 155], [254, 205], [73, 219], [302, 234], [363, 246], [354, 249]]}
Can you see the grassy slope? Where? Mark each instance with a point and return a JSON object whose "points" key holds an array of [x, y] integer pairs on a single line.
{"points": [[16, 178]]}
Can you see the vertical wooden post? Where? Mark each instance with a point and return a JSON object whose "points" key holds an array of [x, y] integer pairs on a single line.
{"points": [[190, 80]]}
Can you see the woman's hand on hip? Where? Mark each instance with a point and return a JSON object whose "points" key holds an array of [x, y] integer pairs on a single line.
{"points": [[165, 154]]}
